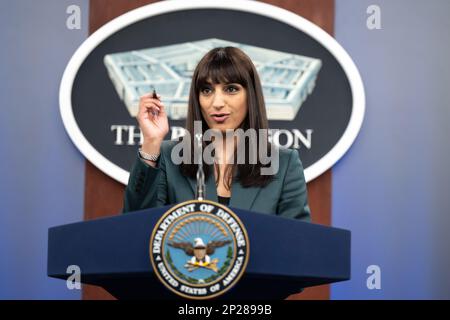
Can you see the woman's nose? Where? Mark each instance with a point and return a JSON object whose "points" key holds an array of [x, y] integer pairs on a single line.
{"points": [[218, 101]]}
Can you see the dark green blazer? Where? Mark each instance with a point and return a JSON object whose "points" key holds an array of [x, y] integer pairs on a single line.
{"points": [[285, 195]]}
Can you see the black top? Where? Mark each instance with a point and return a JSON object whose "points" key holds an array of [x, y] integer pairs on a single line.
{"points": [[224, 200]]}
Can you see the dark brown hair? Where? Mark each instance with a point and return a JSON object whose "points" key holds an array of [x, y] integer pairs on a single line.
{"points": [[229, 65]]}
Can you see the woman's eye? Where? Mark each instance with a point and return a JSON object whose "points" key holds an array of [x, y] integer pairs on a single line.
{"points": [[232, 89], [206, 91]]}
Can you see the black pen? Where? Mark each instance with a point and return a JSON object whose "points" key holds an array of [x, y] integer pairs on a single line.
{"points": [[154, 96]]}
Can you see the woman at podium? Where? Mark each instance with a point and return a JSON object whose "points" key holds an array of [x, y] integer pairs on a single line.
{"points": [[225, 96]]}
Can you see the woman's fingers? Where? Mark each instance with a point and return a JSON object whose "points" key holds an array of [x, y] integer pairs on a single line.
{"points": [[149, 105], [153, 107], [151, 100], [158, 105]]}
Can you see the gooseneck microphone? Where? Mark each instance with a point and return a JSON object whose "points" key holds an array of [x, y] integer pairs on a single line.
{"points": [[200, 174]]}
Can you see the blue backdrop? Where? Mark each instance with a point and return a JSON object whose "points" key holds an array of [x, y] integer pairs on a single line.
{"points": [[391, 188], [42, 172]]}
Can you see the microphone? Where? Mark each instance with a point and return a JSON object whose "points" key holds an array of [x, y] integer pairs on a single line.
{"points": [[200, 174]]}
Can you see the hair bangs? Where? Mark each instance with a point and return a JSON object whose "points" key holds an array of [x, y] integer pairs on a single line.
{"points": [[220, 69]]}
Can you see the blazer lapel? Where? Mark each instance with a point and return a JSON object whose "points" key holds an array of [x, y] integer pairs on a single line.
{"points": [[243, 198]]}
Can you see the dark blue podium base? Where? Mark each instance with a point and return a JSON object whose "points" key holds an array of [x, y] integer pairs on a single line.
{"points": [[285, 255]]}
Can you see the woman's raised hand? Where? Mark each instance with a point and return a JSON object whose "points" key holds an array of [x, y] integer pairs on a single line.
{"points": [[152, 119]]}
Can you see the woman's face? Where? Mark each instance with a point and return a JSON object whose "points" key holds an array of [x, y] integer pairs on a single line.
{"points": [[223, 106]]}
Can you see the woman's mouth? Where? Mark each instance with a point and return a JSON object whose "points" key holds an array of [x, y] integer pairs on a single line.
{"points": [[220, 117]]}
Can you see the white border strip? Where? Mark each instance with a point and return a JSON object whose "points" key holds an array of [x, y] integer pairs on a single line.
{"points": [[263, 9]]}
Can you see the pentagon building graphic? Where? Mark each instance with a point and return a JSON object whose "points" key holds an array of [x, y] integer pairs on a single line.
{"points": [[287, 79]]}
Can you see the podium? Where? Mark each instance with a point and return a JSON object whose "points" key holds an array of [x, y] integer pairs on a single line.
{"points": [[286, 255]]}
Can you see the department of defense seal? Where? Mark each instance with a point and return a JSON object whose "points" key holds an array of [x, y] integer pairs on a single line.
{"points": [[199, 249]]}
